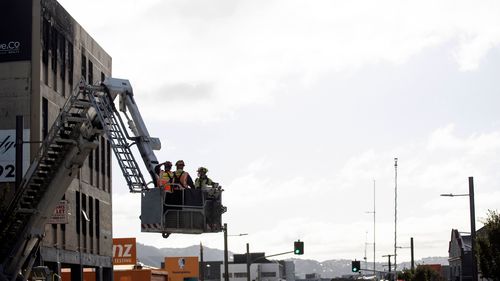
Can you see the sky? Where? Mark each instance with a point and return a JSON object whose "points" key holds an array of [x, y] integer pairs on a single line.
{"points": [[299, 108]]}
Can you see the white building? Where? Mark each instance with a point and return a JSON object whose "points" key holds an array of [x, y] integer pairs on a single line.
{"points": [[258, 272]]}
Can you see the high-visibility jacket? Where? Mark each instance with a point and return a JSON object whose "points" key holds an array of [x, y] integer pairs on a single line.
{"points": [[202, 182], [165, 180], [183, 178]]}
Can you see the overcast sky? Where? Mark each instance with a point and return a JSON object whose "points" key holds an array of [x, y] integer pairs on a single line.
{"points": [[297, 107]]}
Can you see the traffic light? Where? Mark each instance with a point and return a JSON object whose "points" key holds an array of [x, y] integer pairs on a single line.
{"points": [[298, 247], [356, 266]]}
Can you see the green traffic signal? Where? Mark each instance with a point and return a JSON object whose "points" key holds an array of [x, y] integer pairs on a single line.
{"points": [[298, 247], [355, 266]]}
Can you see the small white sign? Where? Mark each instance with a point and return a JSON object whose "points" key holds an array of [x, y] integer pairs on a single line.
{"points": [[8, 154]]}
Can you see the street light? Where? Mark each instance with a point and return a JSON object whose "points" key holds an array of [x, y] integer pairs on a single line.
{"points": [[472, 224], [226, 266]]}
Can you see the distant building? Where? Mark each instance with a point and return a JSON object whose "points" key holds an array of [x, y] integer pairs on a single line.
{"points": [[261, 269], [211, 270], [460, 257]]}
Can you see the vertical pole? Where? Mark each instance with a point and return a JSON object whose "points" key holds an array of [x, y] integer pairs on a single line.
{"points": [[472, 228], [412, 255], [248, 262], [226, 266], [19, 150], [389, 263], [374, 263], [395, 217], [202, 265]]}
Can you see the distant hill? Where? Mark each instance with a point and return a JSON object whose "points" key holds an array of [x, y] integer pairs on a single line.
{"points": [[154, 257], [328, 269]]}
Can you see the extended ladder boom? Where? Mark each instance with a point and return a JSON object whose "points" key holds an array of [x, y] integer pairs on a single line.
{"points": [[88, 113]]}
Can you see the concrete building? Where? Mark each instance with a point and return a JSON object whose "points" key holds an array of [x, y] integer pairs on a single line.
{"points": [[44, 53], [261, 269]]}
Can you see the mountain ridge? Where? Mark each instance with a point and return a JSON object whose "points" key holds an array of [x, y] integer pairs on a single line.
{"points": [[153, 256]]}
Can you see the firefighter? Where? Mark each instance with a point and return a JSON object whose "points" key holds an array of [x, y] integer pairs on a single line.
{"points": [[182, 177], [202, 181], [166, 177]]}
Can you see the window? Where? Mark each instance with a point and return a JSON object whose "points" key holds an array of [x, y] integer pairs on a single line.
{"points": [[240, 274], [97, 218], [45, 49], [268, 274], [45, 40], [62, 55], [91, 167], [108, 167], [102, 77], [45, 117], [96, 166], [91, 216], [103, 162], [84, 214], [91, 73], [84, 67], [53, 48], [77, 211], [70, 65]]}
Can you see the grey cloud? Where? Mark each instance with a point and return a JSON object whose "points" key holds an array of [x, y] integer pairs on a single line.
{"points": [[186, 91], [194, 9]]}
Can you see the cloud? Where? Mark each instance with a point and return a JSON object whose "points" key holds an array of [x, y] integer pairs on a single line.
{"points": [[248, 50], [185, 91], [329, 211]]}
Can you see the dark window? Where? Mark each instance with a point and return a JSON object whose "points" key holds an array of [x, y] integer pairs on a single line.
{"points": [[70, 64], [108, 166], [91, 73], [103, 76], [45, 117], [91, 167], [53, 48], [85, 214], [54, 233], [91, 216], [45, 40], [84, 67], [96, 166], [103, 162], [77, 211], [62, 55], [97, 218]]}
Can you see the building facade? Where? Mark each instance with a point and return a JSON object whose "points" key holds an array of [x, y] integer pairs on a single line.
{"points": [[459, 257], [261, 269], [44, 53]]}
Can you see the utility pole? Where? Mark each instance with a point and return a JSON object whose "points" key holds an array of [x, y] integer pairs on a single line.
{"points": [[202, 269], [226, 258], [374, 231], [412, 255], [248, 262], [389, 262], [395, 217], [374, 270], [472, 228]]}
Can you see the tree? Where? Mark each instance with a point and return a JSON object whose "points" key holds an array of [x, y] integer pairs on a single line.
{"points": [[488, 247], [426, 273]]}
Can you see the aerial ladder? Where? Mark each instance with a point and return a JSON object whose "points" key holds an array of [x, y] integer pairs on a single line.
{"points": [[87, 114]]}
